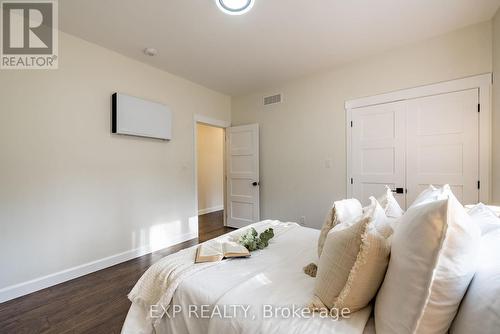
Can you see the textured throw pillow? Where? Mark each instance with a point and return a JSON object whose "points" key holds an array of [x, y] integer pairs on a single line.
{"points": [[487, 220], [433, 258], [390, 204], [353, 262], [342, 211], [479, 311]]}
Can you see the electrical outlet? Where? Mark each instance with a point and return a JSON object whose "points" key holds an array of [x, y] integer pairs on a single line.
{"points": [[302, 220]]}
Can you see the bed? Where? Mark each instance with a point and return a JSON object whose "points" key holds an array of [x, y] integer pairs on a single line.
{"points": [[271, 277]]}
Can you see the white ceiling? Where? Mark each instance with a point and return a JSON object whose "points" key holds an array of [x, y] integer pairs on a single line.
{"points": [[277, 41]]}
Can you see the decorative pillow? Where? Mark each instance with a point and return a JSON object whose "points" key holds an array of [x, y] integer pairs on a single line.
{"points": [[432, 194], [383, 223], [432, 262], [479, 312], [390, 204], [487, 220], [494, 208], [353, 263], [342, 211]]}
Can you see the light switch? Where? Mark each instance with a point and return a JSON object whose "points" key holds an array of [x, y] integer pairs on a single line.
{"points": [[328, 163]]}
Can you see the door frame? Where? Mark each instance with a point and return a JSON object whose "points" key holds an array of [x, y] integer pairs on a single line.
{"points": [[201, 119], [483, 82]]}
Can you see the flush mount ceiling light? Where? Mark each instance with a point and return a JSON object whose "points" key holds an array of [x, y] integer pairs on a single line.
{"points": [[235, 7]]}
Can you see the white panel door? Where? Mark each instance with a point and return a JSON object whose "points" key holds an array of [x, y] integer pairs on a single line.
{"points": [[378, 151], [243, 175], [443, 144]]}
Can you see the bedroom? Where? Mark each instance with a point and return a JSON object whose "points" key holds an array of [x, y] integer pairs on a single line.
{"points": [[84, 212]]}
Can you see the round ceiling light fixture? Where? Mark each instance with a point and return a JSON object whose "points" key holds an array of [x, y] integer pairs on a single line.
{"points": [[235, 7]]}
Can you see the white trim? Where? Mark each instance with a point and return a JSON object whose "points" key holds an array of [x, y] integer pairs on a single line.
{"points": [[197, 118], [348, 133], [478, 81], [210, 210], [485, 140], [211, 121], [21, 289], [482, 82]]}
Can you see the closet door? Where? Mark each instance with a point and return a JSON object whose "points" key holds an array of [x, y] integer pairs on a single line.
{"points": [[443, 144], [378, 151]]}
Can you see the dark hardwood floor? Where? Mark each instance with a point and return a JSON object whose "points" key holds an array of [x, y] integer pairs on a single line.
{"points": [[211, 225], [95, 303]]}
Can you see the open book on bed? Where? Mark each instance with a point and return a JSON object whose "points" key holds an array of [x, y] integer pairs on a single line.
{"points": [[213, 252]]}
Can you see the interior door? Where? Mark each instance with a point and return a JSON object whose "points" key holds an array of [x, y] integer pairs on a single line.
{"points": [[443, 144], [243, 183], [378, 151]]}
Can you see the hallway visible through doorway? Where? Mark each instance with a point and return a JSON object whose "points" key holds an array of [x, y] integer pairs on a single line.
{"points": [[210, 177]]}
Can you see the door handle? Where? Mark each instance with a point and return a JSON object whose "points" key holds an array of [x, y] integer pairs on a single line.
{"points": [[398, 190], [255, 184]]}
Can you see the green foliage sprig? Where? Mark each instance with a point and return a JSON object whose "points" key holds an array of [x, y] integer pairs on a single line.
{"points": [[253, 241]]}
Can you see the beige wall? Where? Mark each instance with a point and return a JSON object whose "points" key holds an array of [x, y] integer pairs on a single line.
{"points": [[70, 192], [210, 150], [298, 136], [496, 108]]}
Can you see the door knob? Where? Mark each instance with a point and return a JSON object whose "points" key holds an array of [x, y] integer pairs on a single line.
{"points": [[398, 190], [255, 183]]}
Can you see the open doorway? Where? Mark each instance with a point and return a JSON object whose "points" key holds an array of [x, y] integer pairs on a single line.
{"points": [[210, 159]]}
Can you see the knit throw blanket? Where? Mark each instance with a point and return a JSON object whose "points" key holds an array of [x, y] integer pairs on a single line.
{"points": [[158, 284]]}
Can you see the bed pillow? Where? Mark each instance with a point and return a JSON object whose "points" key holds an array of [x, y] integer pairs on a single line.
{"points": [[494, 208], [432, 262], [479, 311], [342, 211], [353, 263], [390, 204], [432, 194], [487, 220], [381, 222]]}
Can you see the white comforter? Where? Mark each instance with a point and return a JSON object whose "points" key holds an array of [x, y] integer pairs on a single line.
{"points": [[271, 277]]}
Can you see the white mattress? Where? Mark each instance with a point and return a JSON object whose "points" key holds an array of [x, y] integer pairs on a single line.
{"points": [[273, 276]]}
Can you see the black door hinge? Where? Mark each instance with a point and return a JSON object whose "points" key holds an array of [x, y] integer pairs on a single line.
{"points": [[351, 124], [478, 107], [478, 184], [352, 181]]}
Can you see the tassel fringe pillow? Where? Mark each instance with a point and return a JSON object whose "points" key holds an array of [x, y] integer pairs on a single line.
{"points": [[353, 262], [342, 211]]}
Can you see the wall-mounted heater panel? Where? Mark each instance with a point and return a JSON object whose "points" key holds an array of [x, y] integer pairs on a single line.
{"points": [[137, 117]]}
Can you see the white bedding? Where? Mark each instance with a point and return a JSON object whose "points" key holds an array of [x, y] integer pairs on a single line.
{"points": [[273, 276]]}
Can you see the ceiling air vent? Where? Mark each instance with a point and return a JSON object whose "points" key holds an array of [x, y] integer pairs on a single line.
{"points": [[272, 99]]}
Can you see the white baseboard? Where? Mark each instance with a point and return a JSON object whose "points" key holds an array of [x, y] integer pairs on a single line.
{"points": [[210, 210], [24, 288]]}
